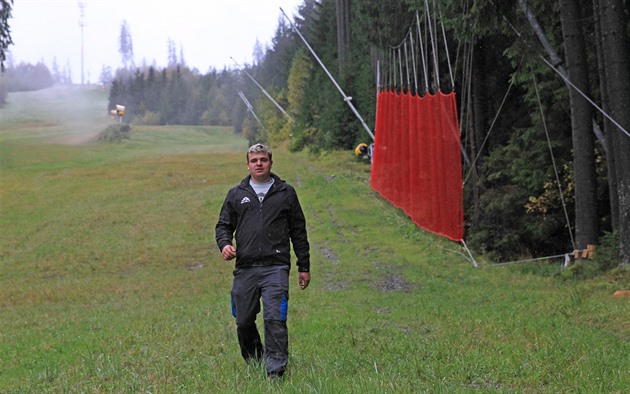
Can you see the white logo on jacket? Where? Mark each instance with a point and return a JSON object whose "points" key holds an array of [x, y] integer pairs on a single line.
{"points": [[245, 200]]}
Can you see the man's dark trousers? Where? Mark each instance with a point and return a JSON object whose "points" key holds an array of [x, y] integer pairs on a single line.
{"points": [[271, 283]]}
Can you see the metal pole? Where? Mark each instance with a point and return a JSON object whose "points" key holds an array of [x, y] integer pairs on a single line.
{"points": [[378, 76], [407, 66], [433, 45], [448, 57], [346, 98], [424, 58], [400, 67], [250, 108], [82, 6], [472, 259], [265, 92], [413, 62]]}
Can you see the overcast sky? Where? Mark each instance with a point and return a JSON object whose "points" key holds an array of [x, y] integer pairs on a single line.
{"points": [[208, 31]]}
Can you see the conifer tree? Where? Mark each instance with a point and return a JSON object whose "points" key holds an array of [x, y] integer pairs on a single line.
{"points": [[125, 45], [586, 219]]}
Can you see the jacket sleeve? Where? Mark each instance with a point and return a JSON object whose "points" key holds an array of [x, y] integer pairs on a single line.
{"points": [[299, 236], [224, 230]]}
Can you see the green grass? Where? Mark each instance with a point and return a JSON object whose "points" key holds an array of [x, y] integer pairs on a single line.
{"points": [[110, 280]]}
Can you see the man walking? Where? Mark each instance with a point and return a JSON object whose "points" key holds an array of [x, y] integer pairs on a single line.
{"points": [[264, 214]]}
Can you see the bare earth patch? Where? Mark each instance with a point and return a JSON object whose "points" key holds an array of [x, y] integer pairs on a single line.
{"points": [[392, 281]]}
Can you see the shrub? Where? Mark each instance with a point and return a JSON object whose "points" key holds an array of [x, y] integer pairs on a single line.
{"points": [[27, 77], [607, 254], [115, 133]]}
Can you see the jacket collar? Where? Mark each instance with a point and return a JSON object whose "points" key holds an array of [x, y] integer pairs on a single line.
{"points": [[278, 182]]}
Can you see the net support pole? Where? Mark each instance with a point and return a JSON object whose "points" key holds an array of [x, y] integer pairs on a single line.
{"points": [[250, 108], [265, 92], [346, 98], [472, 259]]}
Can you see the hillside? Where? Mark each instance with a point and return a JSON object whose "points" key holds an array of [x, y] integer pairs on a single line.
{"points": [[110, 280]]}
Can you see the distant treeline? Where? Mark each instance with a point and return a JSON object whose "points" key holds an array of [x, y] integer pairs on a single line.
{"points": [[174, 95], [24, 77]]}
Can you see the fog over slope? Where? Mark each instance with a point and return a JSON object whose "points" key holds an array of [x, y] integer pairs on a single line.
{"points": [[67, 114]]}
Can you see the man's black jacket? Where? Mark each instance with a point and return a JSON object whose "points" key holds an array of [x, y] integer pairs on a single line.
{"points": [[263, 230]]}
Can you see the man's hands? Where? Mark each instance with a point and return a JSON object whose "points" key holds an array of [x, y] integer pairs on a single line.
{"points": [[228, 252], [304, 279]]}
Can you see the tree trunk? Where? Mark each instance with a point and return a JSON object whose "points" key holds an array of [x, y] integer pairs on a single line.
{"points": [[608, 126], [586, 218], [472, 139], [479, 120], [480, 99], [343, 31], [617, 60]]}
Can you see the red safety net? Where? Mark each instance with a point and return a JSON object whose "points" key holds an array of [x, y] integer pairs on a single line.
{"points": [[416, 163]]}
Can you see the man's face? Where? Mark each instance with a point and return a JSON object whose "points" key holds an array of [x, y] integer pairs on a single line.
{"points": [[259, 166]]}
